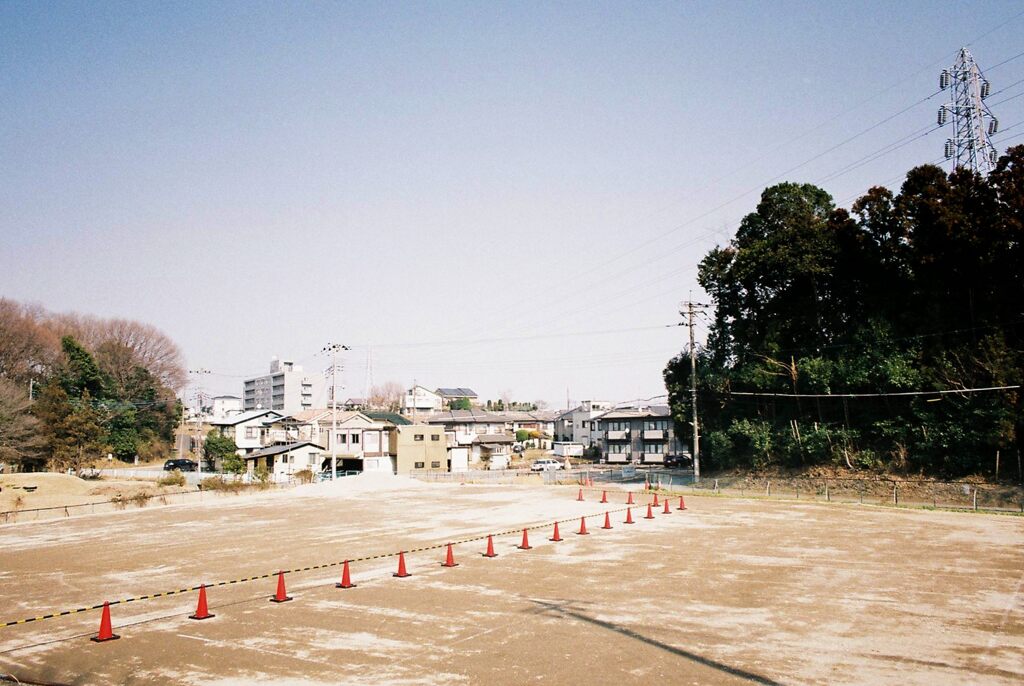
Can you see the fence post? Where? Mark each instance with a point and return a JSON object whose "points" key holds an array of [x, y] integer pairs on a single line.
{"points": [[895, 495], [716, 485], [768, 489], [827, 498], [975, 499]]}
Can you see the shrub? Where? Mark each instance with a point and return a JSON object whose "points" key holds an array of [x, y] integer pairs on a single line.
{"points": [[140, 499], [217, 483], [304, 476], [175, 478]]}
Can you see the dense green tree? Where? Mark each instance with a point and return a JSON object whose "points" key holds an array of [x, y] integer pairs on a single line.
{"points": [[223, 448], [919, 290]]}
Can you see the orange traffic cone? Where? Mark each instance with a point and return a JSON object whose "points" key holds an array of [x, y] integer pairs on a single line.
{"points": [[583, 527], [401, 573], [629, 500], [579, 498], [629, 515], [346, 580], [607, 522], [647, 484], [666, 510], [604, 496], [280, 596], [650, 515], [656, 500], [450, 558], [202, 612], [106, 633], [525, 545], [557, 537], [490, 547], [682, 505]]}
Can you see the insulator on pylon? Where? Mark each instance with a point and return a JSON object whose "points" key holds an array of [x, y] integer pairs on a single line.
{"points": [[985, 89], [943, 113], [993, 126], [949, 149], [993, 156], [944, 79]]}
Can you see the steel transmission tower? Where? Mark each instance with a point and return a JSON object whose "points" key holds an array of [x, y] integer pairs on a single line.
{"points": [[972, 120]]}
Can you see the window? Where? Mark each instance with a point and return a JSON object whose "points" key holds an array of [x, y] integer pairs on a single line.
{"points": [[417, 437], [584, 424], [435, 465], [340, 438], [417, 465], [435, 437], [250, 432], [354, 439]]}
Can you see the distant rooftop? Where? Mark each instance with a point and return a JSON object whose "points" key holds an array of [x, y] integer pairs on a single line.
{"points": [[456, 392]]}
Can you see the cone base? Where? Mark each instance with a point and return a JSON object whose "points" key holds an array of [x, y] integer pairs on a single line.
{"points": [[454, 564], [492, 555], [206, 616], [680, 508], [633, 522], [401, 576], [582, 533], [111, 637], [275, 599], [525, 547], [648, 517], [556, 540], [606, 527], [341, 585]]}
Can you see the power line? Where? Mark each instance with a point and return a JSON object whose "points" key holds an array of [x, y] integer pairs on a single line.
{"points": [[866, 395], [502, 339]]}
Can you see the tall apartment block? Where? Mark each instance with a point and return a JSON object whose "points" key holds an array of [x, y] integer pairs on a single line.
{"points": [[286, 389]]}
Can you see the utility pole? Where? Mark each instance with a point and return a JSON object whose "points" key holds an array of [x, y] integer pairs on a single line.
{"points": [[333, 348], [691, 308], [199, 411]]}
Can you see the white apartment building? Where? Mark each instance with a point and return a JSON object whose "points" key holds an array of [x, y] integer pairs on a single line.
{"points": [[225, 406], [285, 389], [421, 400], [578, 425]]}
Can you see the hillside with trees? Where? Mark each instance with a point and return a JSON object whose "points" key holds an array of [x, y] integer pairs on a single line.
{"points": [[920, 290], [75, 388]]}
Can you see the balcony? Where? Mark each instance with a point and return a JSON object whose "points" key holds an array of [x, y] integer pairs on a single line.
{"points": [[617, 435], [654, 434], [656, 458], [618, 458]]}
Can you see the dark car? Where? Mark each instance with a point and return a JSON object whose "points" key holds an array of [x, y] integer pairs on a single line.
{"points": [[180, 465]]}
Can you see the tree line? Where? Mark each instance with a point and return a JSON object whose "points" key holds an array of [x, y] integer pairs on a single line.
{"points": [[920, 290], [75, 388]]}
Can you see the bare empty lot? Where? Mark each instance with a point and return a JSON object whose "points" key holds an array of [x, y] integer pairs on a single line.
{"points": [[730, 591]]}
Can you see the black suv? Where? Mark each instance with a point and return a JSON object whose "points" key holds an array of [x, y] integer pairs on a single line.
{"points": [[180, 465]]}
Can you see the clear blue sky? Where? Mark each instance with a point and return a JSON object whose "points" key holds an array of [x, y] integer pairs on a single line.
{"points": [[260, 179]]}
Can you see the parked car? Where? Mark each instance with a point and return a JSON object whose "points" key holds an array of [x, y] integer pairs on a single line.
{"points": [[545, 464], [180, 465]]}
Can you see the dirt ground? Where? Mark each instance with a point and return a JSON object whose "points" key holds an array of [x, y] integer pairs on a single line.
{"points": [[730, 591]]}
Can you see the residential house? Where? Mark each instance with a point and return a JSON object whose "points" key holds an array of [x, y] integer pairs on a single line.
{"points": [[539, 423], [578, 424], [282, 461], [451, 396], [362, 443], [639, 436], [248, 429], [421, 401], [285, 389], [419, 446], [476, 438]]}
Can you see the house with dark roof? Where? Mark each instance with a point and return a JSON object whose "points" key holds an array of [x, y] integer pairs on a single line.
{"points": [[282, 461], [453, 395]]}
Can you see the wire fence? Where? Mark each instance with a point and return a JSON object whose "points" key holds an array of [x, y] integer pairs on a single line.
{"points": [[960, 495], [135, 501]]}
